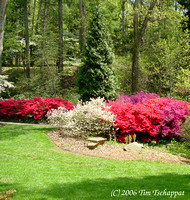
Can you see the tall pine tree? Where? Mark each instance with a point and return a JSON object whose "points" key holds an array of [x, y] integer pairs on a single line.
{"points": [[96, 77]]}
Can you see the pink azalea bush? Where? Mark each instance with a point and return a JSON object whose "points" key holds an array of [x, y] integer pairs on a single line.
{"points": [[173, 113], [139, 97]]}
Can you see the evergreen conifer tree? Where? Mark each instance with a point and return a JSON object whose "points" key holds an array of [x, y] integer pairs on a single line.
{"points": [[96, 77]]}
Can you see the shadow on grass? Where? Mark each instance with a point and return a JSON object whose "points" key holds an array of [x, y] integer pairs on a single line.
{"points": [[8, 132], [5, 186], [149, 187]]}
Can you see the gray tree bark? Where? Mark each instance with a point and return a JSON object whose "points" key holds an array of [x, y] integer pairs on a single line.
{"points": [[33, 16], [38, 17], [123, 26], [135, 61], [46, 2], [82, 31], [138, 38], [27, 50], [60, 44], [3, 4], [17, 31]]}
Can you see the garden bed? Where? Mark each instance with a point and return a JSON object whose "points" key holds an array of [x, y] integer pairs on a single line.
{"points": [[110, 151]]}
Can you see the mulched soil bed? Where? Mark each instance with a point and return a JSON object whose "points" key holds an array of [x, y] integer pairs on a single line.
{"points": [[78, 146]]}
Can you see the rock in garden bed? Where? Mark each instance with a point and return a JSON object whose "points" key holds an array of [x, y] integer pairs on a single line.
{"points": [[78, 146], [133, 147]]}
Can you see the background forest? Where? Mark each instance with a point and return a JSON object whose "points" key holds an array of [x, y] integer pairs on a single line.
{"points": [[46, 43]]}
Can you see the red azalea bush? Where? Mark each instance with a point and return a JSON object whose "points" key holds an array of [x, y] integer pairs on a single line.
{"points": [[134, 119], [152, 119], [35, 108]]}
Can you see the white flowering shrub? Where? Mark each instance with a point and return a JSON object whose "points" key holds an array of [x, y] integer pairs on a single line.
{"points": [[4, 83], [91, 118], [57, 117]]}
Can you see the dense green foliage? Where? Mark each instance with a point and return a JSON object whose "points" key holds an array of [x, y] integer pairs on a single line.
{"points": [[164, 54], [186, 5], [96, 77], [29, 162], [186, 131], [36, 169]]}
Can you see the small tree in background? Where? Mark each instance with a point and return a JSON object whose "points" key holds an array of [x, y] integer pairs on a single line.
{"points": [[96, 78], [4, 83]]}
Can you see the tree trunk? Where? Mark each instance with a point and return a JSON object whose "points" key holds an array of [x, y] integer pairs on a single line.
{"points": [[135, 61], [43, 32], [3, 4], [33, 16], [138, 38], [82, 31], [60, 44], [27, 50], [17, 31], [38, 17], [29, 7], [123, 26]]}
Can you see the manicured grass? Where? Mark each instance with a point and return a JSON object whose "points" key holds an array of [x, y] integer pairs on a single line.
{"points": [[36, 169]]}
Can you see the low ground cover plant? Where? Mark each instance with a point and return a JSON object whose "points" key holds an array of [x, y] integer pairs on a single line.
{"points": [[185, 129], [31, 109]]}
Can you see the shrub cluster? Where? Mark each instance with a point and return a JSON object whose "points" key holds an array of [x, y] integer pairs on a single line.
{"points": [[90, 118], [154, 118], [147, 117], [140, 97], [28, 109], [143, 115]]}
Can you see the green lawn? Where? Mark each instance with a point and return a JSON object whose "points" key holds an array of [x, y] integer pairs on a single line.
{"points": [[36, 169]]}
